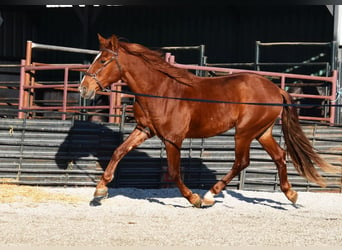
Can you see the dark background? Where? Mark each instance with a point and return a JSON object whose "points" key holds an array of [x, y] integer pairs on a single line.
{"points": [[229, 32]]}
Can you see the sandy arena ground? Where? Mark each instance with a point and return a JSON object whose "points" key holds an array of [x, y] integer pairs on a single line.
{"points": [[45, 216]]}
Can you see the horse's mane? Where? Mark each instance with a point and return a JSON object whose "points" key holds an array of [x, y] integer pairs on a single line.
{"points": [[154, 59]]}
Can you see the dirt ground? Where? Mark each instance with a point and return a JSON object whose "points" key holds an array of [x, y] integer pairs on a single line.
{"points": [[45, 216]]}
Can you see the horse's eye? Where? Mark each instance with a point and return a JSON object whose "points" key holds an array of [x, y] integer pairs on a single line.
{"points": [[102, 61]]}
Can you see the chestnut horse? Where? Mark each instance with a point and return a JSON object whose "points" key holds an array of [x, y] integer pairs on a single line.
{"points": [[173, 119]]}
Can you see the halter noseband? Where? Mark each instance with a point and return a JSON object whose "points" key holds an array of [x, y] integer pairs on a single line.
{"points": [[94, 75]]}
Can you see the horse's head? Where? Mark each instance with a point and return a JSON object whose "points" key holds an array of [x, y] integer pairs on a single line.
{"points": [[104, 70]]}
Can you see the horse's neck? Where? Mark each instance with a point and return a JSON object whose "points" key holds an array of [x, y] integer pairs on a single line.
{"points": [[145, 79], [142, 79], [137, 84]]}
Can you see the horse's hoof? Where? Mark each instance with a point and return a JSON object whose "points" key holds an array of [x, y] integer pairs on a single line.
{"points": [[101, 192], [208, 199], [292, 196], [99, 195], [96, 201], [207, 203], [196, 200]]}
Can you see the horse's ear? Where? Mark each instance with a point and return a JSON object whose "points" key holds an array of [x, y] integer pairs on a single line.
{"points": [[102, 40], [114, 43]]}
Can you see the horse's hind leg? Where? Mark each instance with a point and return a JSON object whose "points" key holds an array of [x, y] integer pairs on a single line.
{"points": [[133, 140], [242, 145], [278, 156]]}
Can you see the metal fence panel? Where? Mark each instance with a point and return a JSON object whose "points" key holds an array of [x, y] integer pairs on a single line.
{"points": [[74, 153]]}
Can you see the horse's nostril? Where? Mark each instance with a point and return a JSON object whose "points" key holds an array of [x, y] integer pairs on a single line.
{"points": [[83, 90]]}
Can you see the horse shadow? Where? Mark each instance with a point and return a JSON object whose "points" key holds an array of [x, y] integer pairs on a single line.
{"points": [[262, 201], [88, 146], [158, 196]]}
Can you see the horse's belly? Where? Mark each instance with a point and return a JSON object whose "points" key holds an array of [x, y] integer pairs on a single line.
{"points": [[209, 127]]}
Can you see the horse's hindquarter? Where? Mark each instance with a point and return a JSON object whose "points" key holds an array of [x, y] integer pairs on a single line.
{"points": [[265, 101], [210, 118]]}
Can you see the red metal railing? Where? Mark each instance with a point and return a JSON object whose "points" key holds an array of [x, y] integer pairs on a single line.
{"points": [[332, 80], [28, 85]]}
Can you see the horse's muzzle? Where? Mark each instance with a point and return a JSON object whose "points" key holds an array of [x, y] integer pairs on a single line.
{"points": [[86, 93]]}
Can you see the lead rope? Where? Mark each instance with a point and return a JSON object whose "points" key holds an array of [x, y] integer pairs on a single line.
{"points": [[224, 102]]}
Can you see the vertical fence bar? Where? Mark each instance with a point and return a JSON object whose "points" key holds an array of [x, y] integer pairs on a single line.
{"points": [[242, 179], [172, 59], [202, 59], [282, 83], [338, 99], [21, 149], [28, 93], [21, 90], [111, 118], [28, 52], [65, 93], [257, 55], [333, 98], [334, 51], [118, 104], [167, 57]]}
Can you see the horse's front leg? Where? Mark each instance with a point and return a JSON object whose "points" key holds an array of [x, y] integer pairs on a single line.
{"points": [[173, 159], [137, 137]]}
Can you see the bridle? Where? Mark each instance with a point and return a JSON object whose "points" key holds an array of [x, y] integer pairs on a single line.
{"points": [[113, 58]]}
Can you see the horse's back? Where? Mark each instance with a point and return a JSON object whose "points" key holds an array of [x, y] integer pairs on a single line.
{"points": [[239, 88], [246, 99]]}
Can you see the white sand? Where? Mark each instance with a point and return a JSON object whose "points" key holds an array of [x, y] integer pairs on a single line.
{"points": [[135, 217]]}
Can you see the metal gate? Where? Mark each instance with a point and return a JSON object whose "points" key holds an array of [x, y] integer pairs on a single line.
{"points": [[74, 153]]}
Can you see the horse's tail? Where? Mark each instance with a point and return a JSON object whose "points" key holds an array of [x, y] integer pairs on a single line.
{"points": [[299, 147]]}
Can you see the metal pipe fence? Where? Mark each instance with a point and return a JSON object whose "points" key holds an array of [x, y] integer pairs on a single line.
{"points": [[74, 153], [28, 86], [71, 152], [282, 78], [28, 83], [115, 97], [330, 45]]}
